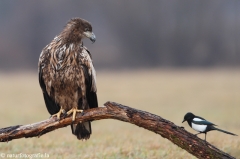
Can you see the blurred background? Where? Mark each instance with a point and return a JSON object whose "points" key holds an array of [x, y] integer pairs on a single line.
{"points": [[133, 34], [167, 57]]}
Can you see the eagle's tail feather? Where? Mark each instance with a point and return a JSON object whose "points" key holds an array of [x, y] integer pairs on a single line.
{"points": [[82, 130]]}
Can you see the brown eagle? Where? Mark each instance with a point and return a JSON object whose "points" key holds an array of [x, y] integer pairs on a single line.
{"points": [[67, 76]]}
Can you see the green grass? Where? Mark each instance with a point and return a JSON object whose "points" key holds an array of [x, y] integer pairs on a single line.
{"points": [[213, 94]]}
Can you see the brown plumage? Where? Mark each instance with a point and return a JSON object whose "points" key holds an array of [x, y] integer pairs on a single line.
{"points": [[67, 76]]}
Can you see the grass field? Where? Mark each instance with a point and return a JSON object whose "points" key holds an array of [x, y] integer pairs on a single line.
{"points": [[213, 94]]}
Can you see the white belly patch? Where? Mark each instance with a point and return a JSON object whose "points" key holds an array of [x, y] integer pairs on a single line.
{"points": [[199, 128]]}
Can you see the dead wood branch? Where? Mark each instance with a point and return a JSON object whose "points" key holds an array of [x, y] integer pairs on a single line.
{"points": [[154, 123]]}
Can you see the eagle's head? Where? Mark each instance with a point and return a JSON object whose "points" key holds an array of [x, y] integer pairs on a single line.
{"points": [[77, 29]]}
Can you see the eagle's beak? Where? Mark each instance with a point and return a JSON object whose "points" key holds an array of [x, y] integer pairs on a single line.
{"points": [[183, 120], [93, 37], [90, 35]]}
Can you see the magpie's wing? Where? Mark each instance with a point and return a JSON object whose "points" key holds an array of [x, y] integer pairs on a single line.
{"points": [[51, 105], [203, 122]]}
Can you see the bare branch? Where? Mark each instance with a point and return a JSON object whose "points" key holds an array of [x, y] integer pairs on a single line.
{"points": [[154, 123]]}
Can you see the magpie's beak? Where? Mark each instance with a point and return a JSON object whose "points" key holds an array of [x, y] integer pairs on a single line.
{"points": [[183, 121], [90, 35]]}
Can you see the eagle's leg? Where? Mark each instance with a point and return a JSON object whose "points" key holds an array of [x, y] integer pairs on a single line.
{"points": [[61, 111], [74, 110]]}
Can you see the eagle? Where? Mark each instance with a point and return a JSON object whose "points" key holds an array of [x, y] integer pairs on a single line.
{"points": [[67, 76]]}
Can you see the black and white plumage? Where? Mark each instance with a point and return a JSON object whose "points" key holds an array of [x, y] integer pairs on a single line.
{"points": [[201, 125], [67, 76]]}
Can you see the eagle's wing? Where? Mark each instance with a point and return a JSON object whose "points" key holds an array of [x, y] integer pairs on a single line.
{"points": [[90, 80], [51, 105], [90, 93]]}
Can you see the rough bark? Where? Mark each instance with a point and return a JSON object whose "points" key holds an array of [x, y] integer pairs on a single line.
{"points": [[154, 123]]}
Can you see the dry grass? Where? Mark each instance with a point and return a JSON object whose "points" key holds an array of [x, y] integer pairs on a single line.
{"points": [[213, 94]]}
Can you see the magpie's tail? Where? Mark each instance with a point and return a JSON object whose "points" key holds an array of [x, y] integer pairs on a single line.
{"points": [[224, 131], [82, 130]]}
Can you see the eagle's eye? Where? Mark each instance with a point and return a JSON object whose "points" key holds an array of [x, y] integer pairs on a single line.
{"points": [[86, 29]]}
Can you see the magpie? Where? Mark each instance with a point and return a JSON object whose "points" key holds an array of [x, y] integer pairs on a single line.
{"points": [[201, 125]]}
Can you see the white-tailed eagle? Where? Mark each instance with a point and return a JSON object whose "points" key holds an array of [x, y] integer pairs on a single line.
{"points": [[67, 76]]}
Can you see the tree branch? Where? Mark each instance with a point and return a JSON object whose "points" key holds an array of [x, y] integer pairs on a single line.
{"points": [[154, 123]]}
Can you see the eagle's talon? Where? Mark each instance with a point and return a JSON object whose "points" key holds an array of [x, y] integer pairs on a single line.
{"points": [[65, 115], [74, 111], [58, 114]]}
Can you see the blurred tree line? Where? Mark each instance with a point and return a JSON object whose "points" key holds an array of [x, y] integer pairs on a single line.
{"points": [[138, 33]]}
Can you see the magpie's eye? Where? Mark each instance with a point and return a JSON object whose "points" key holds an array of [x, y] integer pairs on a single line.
{"points": [[86, 29]]}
